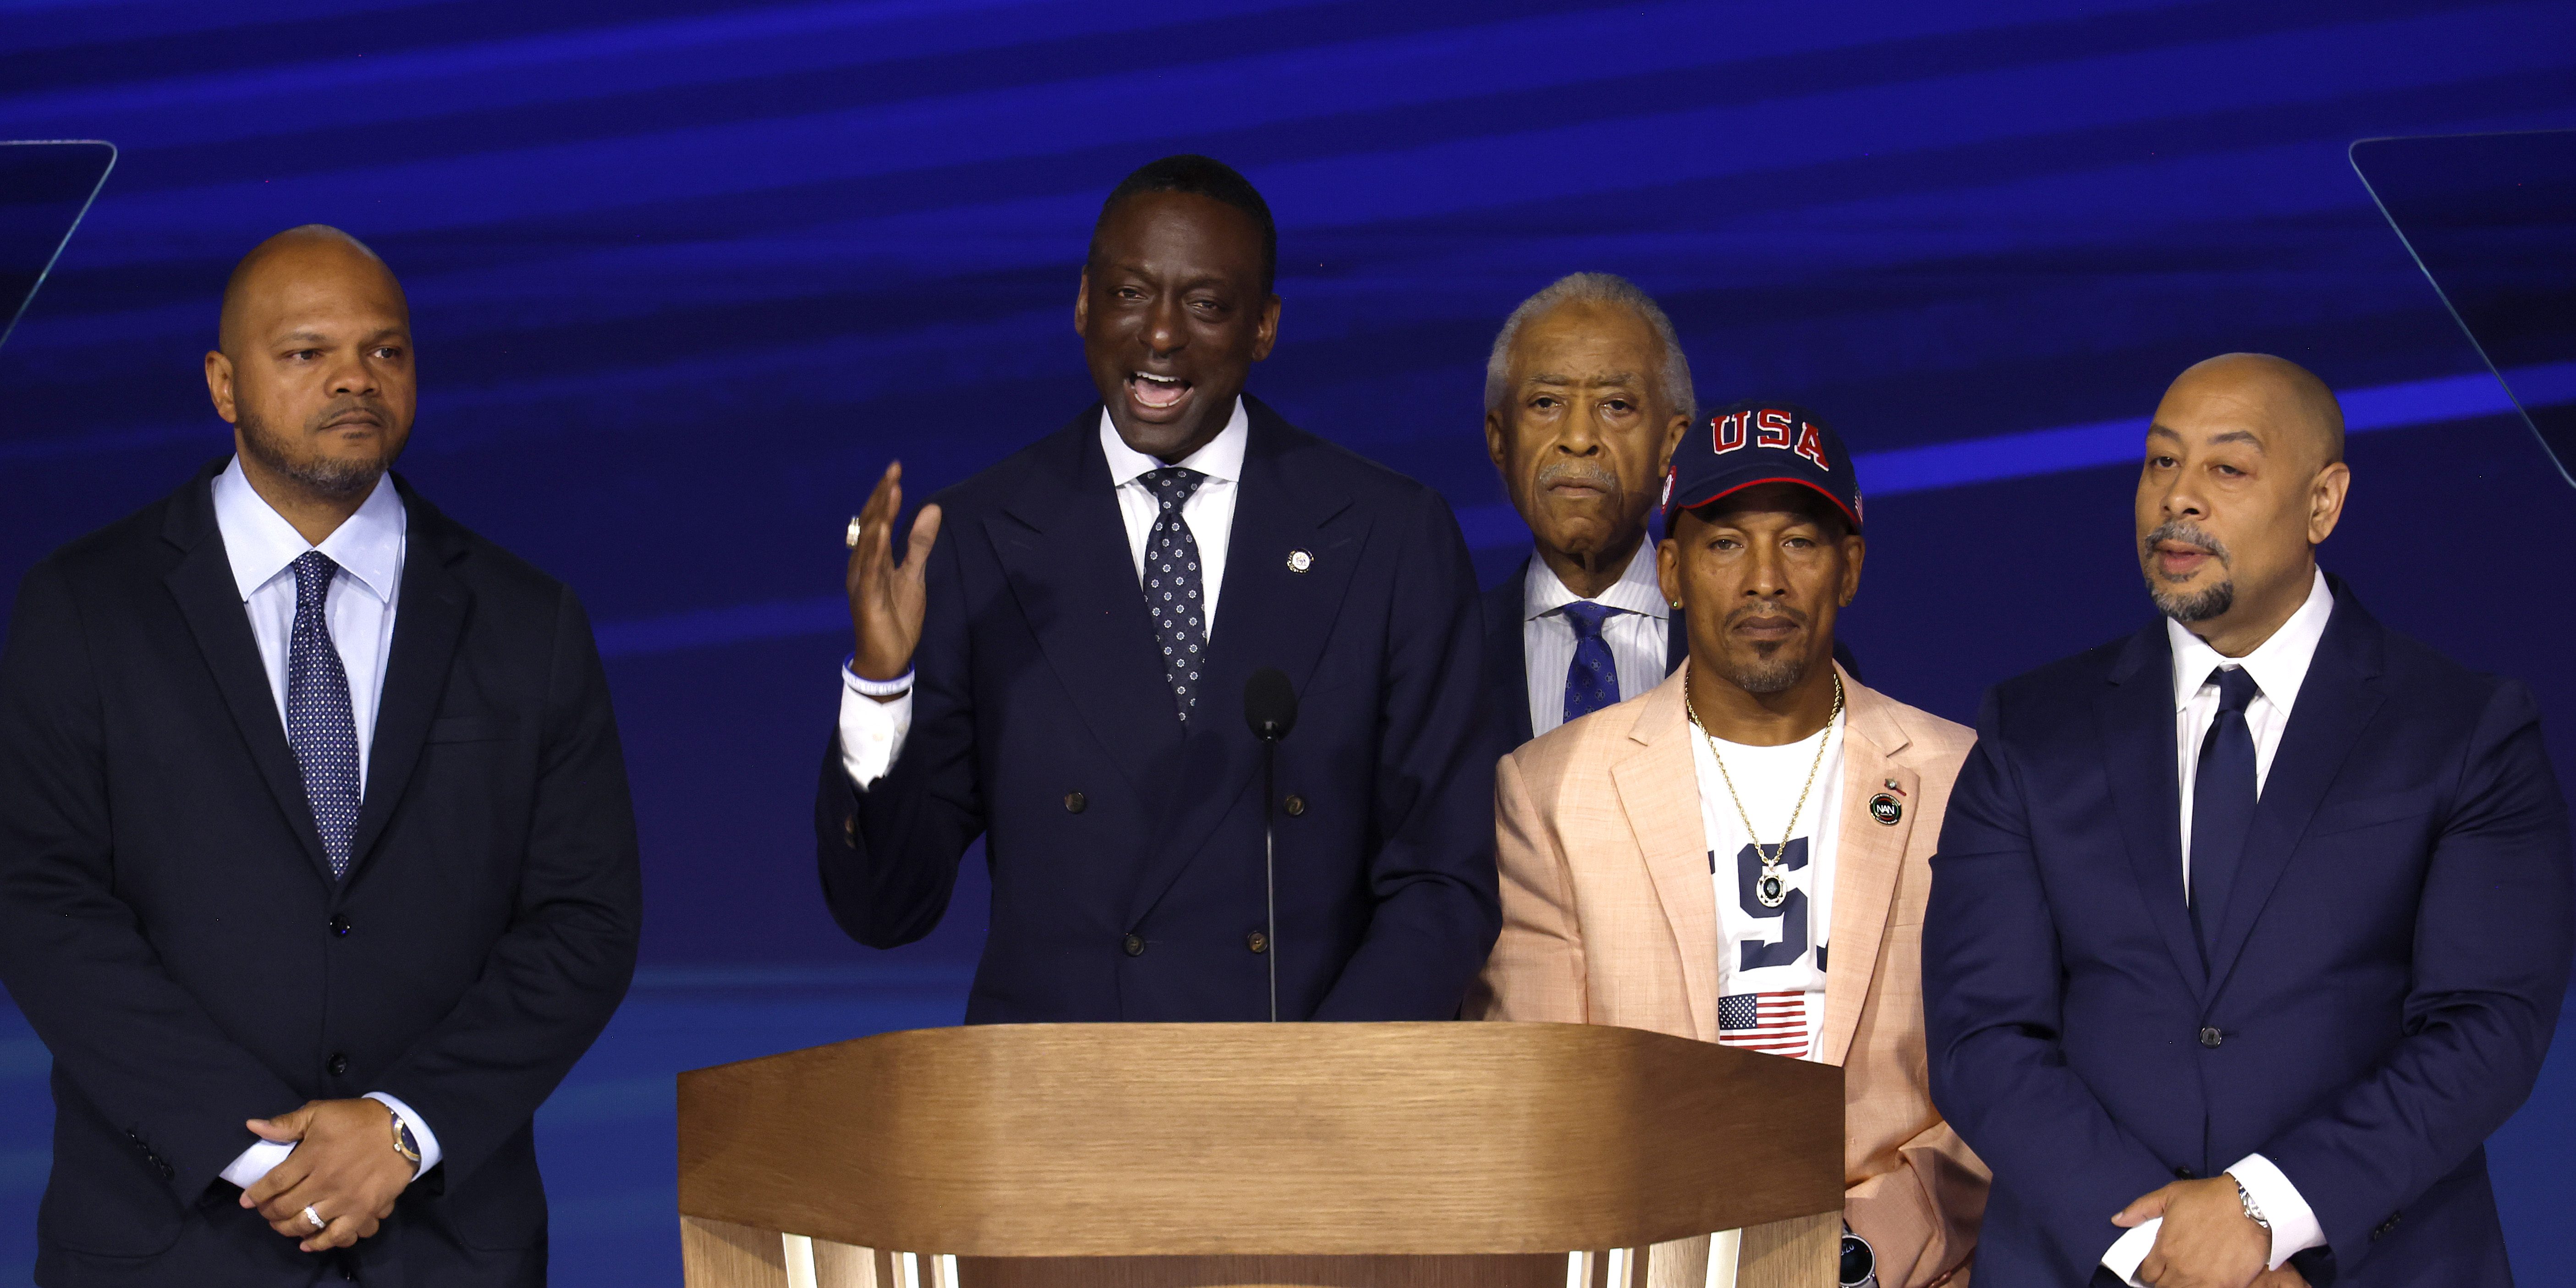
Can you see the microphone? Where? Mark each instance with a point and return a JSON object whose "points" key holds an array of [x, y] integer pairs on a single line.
{"points": [[1270, 708]]}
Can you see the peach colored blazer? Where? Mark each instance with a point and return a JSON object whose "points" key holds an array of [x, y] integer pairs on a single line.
{"points": [[1609, 918]]}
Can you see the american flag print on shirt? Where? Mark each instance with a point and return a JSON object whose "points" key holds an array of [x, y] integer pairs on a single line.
{"points": [[1772, 1023]]}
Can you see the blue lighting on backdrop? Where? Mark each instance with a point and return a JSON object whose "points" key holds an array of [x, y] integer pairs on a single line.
{"points": [[685, 275]]}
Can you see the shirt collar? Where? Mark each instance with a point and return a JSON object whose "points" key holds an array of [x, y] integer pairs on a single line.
{"points": [[261, 544], [1222, 458], [1638, 589], [2278, 665]]}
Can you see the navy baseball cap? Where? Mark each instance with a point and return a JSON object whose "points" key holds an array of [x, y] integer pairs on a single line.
{"points": [[1759, 441]]}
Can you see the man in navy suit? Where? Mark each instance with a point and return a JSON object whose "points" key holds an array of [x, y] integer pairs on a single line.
{"points": [[1059, 663], [2246, 930]]}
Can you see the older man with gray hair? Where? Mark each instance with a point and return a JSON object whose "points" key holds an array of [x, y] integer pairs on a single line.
{"points": [[1586, 393]]}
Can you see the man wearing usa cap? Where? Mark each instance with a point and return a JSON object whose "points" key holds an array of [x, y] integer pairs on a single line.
{"points": [[1741, 855]]}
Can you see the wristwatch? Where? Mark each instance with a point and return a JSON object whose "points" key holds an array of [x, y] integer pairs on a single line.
{"points": [[405, 1143], [1860, 1262], [2252, 1212]]}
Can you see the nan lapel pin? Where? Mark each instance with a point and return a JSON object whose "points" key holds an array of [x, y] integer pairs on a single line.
{"points": [[1300, 561], [1884, 808]]}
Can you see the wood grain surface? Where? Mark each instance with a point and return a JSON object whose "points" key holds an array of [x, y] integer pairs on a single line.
{"points": [[1256, 1139]]}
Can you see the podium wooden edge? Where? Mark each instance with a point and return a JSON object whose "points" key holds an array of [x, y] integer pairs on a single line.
{"points": [[1799, 1252]]}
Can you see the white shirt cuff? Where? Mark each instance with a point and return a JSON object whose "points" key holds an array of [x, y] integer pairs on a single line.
{"points": [[2131, 1249], [256, 1162], [872, 731], [421, 1135], [2295, 1227]]}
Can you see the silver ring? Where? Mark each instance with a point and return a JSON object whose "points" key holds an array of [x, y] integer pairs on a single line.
{"points": [[850, 539], [319, 1225]]}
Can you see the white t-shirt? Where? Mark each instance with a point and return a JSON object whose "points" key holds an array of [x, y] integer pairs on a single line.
{"points": [[1771, 961]]}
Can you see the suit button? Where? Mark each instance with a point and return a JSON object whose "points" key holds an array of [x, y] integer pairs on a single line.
{"points": [[2210, 1037], [850, 830], [337, 1065], [340, 924], [1074, 802], [1257, 942], [1296, 806], [1135, 945]]}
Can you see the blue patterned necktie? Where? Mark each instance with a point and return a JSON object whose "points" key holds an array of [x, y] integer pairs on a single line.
{"points": [[319, 725], [1592, 682], [2222, 803], [1172, 584]]}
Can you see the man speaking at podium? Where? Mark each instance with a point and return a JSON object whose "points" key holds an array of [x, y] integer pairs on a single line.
{"points": [[1059, 661]]}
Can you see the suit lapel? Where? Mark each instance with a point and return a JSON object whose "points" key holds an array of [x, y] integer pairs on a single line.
{"points": [[2136, 717], [429, 619], [1267, 615], [1507, 652], [1869, 857], [212, 604], [1063, 548], [1659, 791], [2334, 705]]}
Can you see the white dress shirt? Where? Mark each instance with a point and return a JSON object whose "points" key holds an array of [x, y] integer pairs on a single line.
{"points": [[262, 548], [2279, 666], [1638, 637], [872, 731]]}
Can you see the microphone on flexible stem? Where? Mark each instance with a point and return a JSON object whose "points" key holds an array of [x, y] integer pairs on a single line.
{"points": [[1270, 707]]}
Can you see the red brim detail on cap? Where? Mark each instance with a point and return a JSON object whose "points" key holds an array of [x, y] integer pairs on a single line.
{"points": [[1727, 492]]}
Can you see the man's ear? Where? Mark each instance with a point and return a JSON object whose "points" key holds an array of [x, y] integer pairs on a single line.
{"points": [[1265, 332], [1673, 432], [1497, 446], [1082, 303], [219, 384], [2326, 495], [1855, 552], [1668, 569]]}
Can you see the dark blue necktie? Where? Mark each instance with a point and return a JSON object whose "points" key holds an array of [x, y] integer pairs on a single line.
{"points": [[2222, 803], [1592, 682], [318, 723], [1172, 584]]}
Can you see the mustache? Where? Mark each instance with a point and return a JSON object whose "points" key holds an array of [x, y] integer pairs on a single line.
{"points": [[1588, 473], [1751, 611], [2185, 532], [347, 410]]}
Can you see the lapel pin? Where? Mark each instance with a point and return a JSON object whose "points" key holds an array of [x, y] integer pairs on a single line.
{"points": [[1891, 786], [1300, 561], [1884, 808]]}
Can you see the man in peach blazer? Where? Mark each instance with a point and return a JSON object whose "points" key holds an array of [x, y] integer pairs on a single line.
{"points": [[1612, 834]]}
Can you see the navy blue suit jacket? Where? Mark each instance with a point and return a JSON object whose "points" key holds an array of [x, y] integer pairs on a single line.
{"points": [[170, 924], [1125, 850], [2384, 983]]}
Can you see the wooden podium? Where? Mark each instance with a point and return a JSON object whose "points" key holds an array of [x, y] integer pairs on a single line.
{"points": [[1207, 1155]]}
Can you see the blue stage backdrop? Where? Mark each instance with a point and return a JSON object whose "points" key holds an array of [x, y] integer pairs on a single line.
{"points": [[686, 274]]}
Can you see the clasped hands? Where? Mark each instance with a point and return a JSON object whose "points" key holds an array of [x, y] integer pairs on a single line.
{"points": [[344, 1168], [2206, 1241]]}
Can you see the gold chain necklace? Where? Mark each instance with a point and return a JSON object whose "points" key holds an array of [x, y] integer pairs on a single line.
{"points": [[1772, 886]]}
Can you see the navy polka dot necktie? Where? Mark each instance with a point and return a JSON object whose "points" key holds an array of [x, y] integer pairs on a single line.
{"points": [[319, 725], [1172, 584], [1592, 680]]}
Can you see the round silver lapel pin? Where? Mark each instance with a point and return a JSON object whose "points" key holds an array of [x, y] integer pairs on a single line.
{"points": [[1300, 561]]}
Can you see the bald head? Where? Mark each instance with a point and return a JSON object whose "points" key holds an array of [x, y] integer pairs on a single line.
{"points": [[2280, 393], [312, 253], [314, 370], [2244, 478]]}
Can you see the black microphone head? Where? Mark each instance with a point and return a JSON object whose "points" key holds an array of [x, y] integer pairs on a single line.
{"points": [[1269, 704]]}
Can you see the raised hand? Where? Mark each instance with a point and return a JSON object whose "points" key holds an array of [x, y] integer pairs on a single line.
{"points": [[344, 1170], [887, 598]]}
